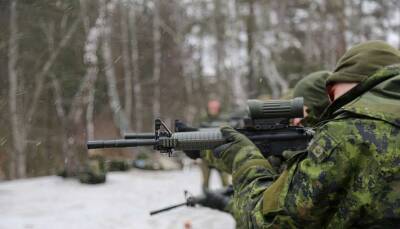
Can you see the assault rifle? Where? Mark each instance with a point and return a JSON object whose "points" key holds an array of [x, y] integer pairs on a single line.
{"points": [[267, 127], [216, 199]]}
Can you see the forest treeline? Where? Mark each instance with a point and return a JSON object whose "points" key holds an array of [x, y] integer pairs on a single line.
{"points": [[83, 69]]}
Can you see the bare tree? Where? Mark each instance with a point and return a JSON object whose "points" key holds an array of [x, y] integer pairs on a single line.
{"points": [[137, 88], [126, 61], [219, 30], [120, 118], [70, 119], [18, 164], [92, 65], [157, 59], [250, 31], [235, 71]]}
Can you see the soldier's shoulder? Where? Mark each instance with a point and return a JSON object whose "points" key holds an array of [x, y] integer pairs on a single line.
{"points": [[336, 129], [351, 130], [332, 135]]}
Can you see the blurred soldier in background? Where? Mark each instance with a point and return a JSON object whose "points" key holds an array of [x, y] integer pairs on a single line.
{"points": [[312, 89], [213, 119], [94, 171]]}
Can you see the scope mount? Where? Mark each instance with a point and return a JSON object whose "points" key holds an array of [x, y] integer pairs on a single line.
{"points": [[262, 124]]}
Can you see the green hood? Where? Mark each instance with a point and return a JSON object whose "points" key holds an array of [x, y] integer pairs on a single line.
{"points": [[363, 60], [312, 89], [377, 97]]}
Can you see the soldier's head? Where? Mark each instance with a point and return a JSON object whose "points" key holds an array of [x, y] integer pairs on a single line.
{"points": [[359, 63], [213, 107], [312, 89]]}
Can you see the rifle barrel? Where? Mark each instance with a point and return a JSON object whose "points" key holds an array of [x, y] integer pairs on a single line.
{"points": [[119, 143], [167, 208]]}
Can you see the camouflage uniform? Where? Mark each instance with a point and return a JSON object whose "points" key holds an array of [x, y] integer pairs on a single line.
{"points": [[349, 177], [118, 165], [94, 172]]}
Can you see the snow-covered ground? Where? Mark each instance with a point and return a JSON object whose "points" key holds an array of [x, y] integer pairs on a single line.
{"points": [[124, 201]]}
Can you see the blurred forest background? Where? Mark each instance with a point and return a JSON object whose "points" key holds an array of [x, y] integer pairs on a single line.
{"points": [[84, 69]]}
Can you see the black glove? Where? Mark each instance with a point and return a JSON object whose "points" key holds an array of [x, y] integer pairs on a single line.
{"points": [[192, 154], [214, 199], [235, 142]]}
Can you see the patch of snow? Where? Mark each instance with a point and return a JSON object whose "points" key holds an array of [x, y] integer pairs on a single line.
{"points": [[124, 201]]}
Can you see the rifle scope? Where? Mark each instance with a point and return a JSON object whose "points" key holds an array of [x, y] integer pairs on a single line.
{"points": [[259, 109]]}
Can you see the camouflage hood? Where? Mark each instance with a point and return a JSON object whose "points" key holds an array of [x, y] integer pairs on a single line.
{"points": [[362, 61], [312, 89], [377, 97]]}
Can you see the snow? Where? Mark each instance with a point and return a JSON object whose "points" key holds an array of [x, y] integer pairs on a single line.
{"points": [[124, 201]]}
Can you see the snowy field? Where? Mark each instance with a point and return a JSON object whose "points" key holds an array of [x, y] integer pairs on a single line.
{"points": [[124, 201]]}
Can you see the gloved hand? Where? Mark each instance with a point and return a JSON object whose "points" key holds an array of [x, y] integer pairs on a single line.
{"points": [[192, 154], [276, 162], [235, 142], [215, 200]]}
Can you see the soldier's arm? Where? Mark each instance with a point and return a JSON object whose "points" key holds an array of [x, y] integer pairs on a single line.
{"points": [[302, 194], [252, 174]]}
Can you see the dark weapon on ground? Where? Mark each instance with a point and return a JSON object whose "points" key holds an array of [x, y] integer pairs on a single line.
{"points": [[216, 199]]}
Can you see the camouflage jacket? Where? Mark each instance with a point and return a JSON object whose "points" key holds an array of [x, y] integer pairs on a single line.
{"points": [[349, 176]]}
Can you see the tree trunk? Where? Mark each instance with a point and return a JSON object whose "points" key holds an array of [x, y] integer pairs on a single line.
{"points": [[157, 60], [126, 61], [120, 119], [137, 88], [238, 91], [93, 70], [60, 112], [219, 25], [84, 15], [85, 95], [18, 161], [340, 16], [250, 29]]}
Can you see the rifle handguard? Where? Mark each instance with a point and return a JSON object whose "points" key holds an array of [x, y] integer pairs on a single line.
{"points": [[198, 140]]}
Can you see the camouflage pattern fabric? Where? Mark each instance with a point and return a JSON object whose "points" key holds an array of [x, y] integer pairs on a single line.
{"points": [[94, 172], [118, 165], [363, 60], [349, 177]]}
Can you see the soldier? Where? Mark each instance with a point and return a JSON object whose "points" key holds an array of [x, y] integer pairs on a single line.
{"points": [[213, 120], [312, 89], [95, 170], [349, 176]]}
